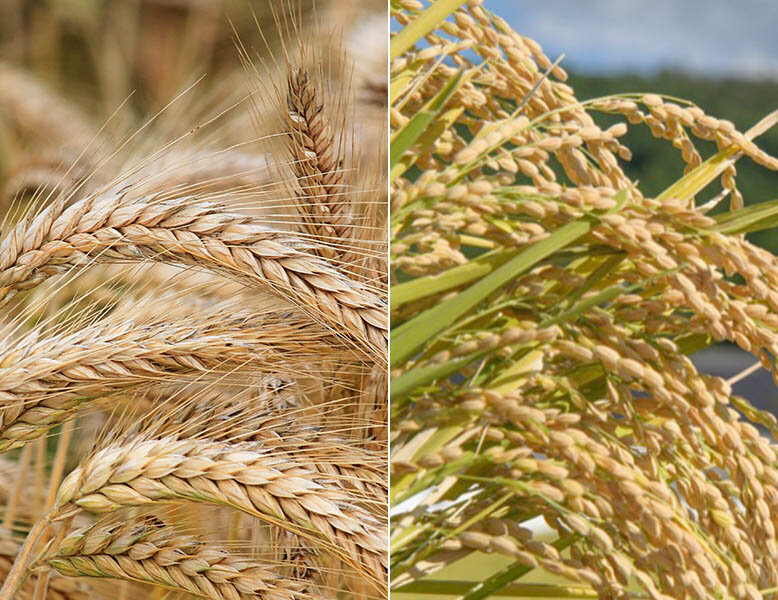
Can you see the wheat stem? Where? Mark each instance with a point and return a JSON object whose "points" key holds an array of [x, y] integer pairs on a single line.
{"points": [[15, 576], [55, 477], [16, 493]]}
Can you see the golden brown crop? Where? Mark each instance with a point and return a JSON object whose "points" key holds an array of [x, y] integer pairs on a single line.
{"points": [[194, 308], [544, 405]]}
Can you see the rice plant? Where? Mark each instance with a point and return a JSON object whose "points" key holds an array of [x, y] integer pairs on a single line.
{"points": [[193, 312], [550, 436]]}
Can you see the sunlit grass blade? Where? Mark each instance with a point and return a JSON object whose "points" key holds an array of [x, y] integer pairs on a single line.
{"points": [[435, 320], [756, 217], [416, 289], [420, 123], [453, 587], [425, 22], [433, 131], [507, 576]]}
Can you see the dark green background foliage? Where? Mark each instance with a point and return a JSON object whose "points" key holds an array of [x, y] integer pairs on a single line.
{"points": [[656, 164]]}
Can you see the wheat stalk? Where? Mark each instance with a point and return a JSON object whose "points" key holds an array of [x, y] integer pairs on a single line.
{"points": [[148, 551], [60, 588], [44, 379], [322, 198], [271, 485], [185, 231], [287, 431]]}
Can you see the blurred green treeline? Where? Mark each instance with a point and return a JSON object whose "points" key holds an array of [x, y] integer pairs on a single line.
{"points": [[742, 101]]}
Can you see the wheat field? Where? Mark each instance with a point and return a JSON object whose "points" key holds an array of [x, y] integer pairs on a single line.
{"points": [[193, 300], [205, 206]]}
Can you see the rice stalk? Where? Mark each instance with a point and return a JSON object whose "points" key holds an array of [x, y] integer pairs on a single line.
{"points": [[544, 405]]}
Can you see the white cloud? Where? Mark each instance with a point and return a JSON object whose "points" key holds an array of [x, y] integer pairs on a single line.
{"points": [[709, 36]]}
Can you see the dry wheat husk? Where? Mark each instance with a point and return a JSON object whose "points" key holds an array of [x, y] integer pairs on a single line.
{"points": [[147, 550], [121, 329]]}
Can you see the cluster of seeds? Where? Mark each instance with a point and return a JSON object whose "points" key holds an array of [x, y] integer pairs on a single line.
{"points": [[193, 316], [558, 419]]}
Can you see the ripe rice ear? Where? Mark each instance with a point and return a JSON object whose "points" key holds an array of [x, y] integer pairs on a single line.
{"points": [[564, 404]]}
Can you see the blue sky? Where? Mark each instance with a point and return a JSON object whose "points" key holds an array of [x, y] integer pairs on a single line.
{"points": [[711, 37]]}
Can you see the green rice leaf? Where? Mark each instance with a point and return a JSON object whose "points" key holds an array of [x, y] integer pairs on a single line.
{"points": [[751, 218], [421, 26], [426, 140], [425, 326], [508, 575], [694, 182], [421, 121], [455, 587], [422, 287]]}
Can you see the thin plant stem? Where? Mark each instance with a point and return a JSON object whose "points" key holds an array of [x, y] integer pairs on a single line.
{"points": [[15, 576], [40, 473], [41, 586], [58, 468], [13, 501]]}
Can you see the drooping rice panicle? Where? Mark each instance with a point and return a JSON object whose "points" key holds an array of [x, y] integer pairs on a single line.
{"points": [[543, 314]]}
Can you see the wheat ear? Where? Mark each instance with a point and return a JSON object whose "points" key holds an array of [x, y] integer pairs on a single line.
{"points": [[184, 230], [43, 380], [321, 197], [361, 470], [146, 550], [37, 109], [59, 588], [282, 488]]}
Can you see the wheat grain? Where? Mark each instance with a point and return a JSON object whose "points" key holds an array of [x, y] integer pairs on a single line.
{"points": [[271, 485], [189, 232], [60, 588], [147, 550]]}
